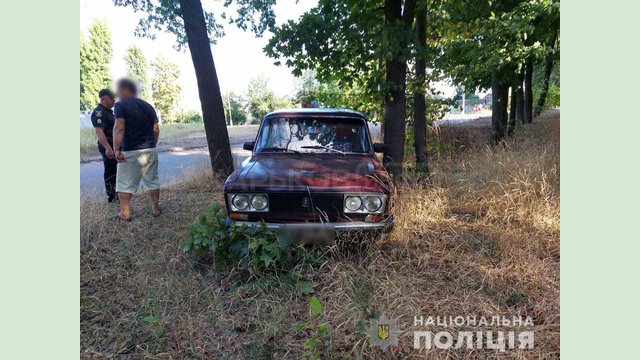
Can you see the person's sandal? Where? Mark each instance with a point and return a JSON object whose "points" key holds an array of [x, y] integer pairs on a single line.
{"points": [[157, 214]]}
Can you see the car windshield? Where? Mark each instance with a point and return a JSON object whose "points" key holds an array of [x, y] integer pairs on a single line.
{"points": [[313, 135]]}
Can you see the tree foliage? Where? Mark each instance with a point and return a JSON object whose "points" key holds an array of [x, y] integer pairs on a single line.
{"points": [[368, 49], [343, 43], [166, 16], [166, 88], [137, 69], [194, 25], [261, 100], [95, 60], [483, 42], [235, 108], [363, 47]]}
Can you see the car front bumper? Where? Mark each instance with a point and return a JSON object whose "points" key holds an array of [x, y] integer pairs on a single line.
{"points": [[337, 226]]}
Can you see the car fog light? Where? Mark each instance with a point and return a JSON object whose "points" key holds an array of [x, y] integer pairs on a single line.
{"points": [[353, 203], [259, 202], [240, 201], [372, 203]]}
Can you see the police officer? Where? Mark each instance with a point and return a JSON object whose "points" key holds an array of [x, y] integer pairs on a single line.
{"points": [[103, 121]]}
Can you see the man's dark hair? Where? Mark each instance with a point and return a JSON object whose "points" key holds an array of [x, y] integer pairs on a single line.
{"points": [[127, 84]]}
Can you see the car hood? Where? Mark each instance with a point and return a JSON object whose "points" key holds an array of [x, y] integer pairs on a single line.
{"points": [[310, 172]]}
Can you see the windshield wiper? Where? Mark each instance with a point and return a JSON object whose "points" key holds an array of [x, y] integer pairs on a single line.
{"points": [[279, 149], [321, 147]]}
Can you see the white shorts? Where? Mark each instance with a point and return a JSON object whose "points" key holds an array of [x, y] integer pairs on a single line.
{"points": [[139, 164]]}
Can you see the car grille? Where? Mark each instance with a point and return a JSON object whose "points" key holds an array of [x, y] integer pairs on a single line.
{"points": [[329, 205]]}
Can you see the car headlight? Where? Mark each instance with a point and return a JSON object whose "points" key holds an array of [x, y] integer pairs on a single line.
{"points": [[372, 203], [364, 203], [248, 202], [353, 203], [259, 202], [240, 201]]}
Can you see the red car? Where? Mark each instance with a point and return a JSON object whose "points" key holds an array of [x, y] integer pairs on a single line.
{"points": [[311, 169]]}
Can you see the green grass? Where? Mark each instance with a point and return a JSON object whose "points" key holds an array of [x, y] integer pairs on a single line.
{"points": [[169, 131], [88, 143], [172, 131]]}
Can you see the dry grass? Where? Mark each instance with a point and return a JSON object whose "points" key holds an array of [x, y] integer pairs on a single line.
{"points": [[483, 241]]}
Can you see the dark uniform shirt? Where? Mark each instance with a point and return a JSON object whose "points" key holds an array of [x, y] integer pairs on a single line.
{"points": [[139, 117], [102, 117]]}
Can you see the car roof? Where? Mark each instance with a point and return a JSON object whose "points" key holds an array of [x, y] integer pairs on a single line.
{"points": [[328, 112]]}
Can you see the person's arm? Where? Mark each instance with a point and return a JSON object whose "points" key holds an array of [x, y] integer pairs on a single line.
{"points": [[99, 124], [102, 139], [156, 127], [118, 135], [156, 133]]}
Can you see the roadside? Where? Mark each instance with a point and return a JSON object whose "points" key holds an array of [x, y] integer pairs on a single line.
{"points": [[173, 137]]}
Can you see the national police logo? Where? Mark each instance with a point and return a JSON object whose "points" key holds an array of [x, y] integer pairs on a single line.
{"points": [[99, 113], [383, 332]]}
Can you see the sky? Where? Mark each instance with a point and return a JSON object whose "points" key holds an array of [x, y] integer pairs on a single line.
{"points": [[238, 56]]}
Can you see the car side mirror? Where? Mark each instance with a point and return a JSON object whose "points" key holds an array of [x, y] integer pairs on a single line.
{"points": [[379, 147], [249, 145]]}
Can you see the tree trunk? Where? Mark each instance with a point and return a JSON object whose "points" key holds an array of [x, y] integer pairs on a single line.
{"points": [[528, 92], [548, 68], [496, 111], [464, 100], [395, 107], [394, 117], [520, 99], [208, 87], [504, 101], [499, 114], [512, 111], [419, 107]]}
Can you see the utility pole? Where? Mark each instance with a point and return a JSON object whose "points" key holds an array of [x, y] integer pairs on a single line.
{"points": [[229, 106], [464, 100]]}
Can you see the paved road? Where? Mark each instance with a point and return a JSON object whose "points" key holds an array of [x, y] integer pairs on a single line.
{"points": [[172, 167]]}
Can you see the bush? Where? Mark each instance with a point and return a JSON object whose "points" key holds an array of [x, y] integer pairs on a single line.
{"points": [[553, 97], [254, 248], [188, 117]]}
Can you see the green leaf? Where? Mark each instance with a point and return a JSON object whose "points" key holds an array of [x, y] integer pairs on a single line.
{"points": [[300, 326], [315, 307], [305, 287], [149, 319], [266, 259]]}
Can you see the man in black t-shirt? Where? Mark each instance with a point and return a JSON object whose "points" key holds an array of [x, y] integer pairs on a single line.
{"points": [[135, 134], [103, 120]]}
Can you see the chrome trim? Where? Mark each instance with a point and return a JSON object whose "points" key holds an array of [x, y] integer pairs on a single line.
{"points": [[362, 209], [250, 208], [338, 226]]}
